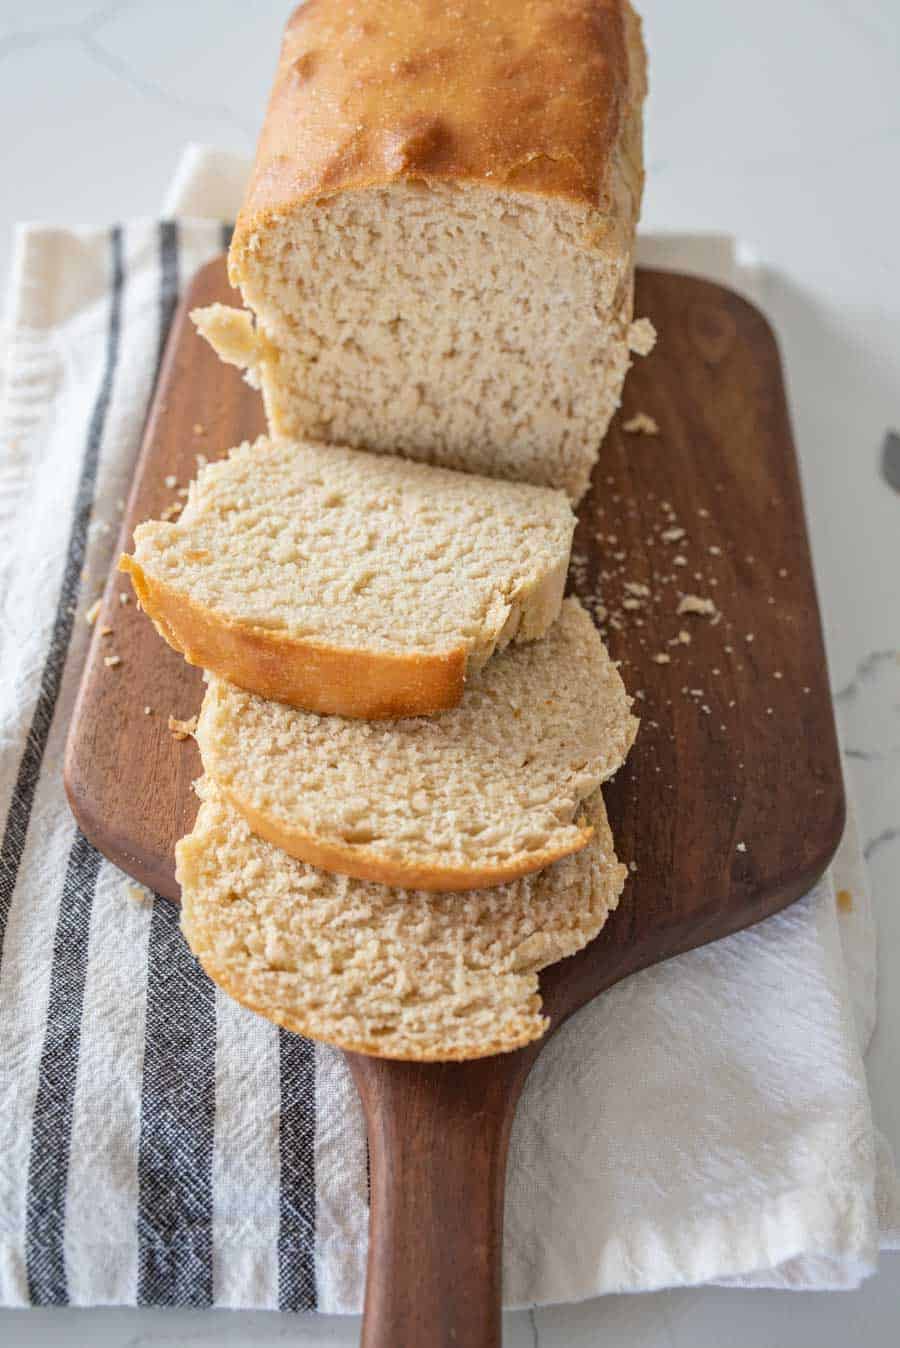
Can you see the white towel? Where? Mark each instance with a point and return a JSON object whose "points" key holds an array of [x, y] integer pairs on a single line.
{"points": [[706, 1121]]}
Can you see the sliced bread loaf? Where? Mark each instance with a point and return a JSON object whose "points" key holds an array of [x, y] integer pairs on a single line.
{"points": [[480, 795], [351, 583], [437, 239], [399, 974]]}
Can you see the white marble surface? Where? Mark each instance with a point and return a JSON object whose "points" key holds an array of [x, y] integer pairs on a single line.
{"points": [[778, 122]]}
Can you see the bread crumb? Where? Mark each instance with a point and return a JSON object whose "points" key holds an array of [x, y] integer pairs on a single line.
{"points": [[641, 424], [91, 616], [661, 658], [845, 900], [694, 603], [641, 337], [631, 604], [636, 588], [148, 711], [703, 513], [124, 598], [112, 661], [105, 630], [679, 560], [182, 730], [137, 893], [742, 847], [632, 866], [778, 674], [672, 535], [715, 551], [171, 480], [684, 637], [173, 509], [199, 428]]}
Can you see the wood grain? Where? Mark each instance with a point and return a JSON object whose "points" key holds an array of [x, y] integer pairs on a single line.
{"points": [[730, 806]]}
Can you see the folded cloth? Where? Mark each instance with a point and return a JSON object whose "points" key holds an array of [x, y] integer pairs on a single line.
{"points": [[707, 1120]]}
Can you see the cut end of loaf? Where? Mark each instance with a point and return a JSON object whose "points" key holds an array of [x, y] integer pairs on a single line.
{"points": [[394, 973], [467, 326], [438, 234]]}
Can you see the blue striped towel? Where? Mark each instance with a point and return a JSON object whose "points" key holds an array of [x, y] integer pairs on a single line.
{"points": [[160, 1145]]}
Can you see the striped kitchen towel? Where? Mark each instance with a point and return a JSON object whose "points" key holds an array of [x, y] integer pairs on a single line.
{"points": [[159, 1145]]}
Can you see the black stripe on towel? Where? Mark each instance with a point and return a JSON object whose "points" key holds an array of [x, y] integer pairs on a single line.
{"points": [[51, 1133], [297, 1135], [175, 1151], [175, 1157], [168, 283], [19, 816]]}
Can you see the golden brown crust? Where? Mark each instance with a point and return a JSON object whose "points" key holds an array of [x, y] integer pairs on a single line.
{"points": [[362, 684], [534, 96], [364, 864]]}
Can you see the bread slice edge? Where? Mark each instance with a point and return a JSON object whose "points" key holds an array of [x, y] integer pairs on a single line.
{"points": [[340, 681], [362, 863], [329, 680]]}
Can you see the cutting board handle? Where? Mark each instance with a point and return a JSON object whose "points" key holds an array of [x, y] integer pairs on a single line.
{"points": [[438, 1138]]}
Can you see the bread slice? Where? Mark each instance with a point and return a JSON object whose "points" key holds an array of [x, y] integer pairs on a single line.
{"points": [[399, 974], [478, 796], [351, 583], [437, 239]]}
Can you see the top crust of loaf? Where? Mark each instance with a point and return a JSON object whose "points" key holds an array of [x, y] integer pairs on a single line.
{"points": [[538, 98]]}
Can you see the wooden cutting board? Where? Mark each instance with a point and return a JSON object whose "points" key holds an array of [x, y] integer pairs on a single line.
{"points": [[730, 806]]}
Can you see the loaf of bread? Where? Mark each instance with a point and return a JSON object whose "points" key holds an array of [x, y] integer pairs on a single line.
{"points": [[399, 974], [351, 583], [437, 239], [478, 796]]}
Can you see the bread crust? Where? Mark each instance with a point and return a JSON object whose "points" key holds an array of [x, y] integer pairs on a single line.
{"points": [[368, 685], [541, 99], [363, 864]]}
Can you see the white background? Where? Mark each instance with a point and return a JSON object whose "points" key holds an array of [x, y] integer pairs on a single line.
{"points": [[777, 122]]}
